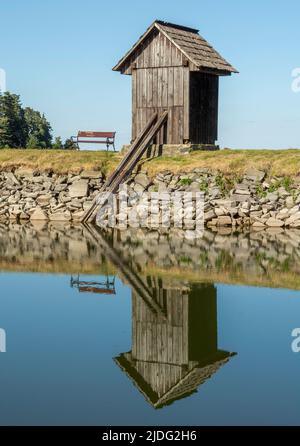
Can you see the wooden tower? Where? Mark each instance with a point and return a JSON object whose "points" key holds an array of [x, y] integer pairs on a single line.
{"points": [[174, 69]]}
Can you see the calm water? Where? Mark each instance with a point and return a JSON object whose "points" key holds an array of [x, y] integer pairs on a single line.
{"points": [[131, 328]]}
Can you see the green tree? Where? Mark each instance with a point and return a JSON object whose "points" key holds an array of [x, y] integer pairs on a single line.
{"points": [[38, 130], [70, 144], [13, 127], [58, 144]]}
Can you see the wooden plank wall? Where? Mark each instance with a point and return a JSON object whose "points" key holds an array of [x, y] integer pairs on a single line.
{"points": [[160, 82], [155, 339], [160, 347]]}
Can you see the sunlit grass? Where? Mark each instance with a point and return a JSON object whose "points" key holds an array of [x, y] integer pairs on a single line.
{"points": [[228, 162]]}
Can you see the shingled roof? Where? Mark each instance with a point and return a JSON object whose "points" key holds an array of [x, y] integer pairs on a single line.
{"points": [[195, 48]]}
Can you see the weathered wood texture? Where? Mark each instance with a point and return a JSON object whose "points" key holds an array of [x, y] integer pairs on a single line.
{"points": [[175, 69], [165, 350], [158, 84], [162, 81]]}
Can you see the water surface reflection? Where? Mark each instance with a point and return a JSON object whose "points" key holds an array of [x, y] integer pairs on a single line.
{"points": [[147, 316]]}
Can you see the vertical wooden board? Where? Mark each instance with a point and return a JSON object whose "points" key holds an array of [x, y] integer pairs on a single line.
{"points": [[146, 53], [154, 87], [140, 119], [165, 87], [186, 103], [175, 137], [133, 323], [157, 50], [176, 56], [180, 125], [161, 49], [138, 88], [168, 55], [185, 333], [144, 81], [139, 57], [180, 86], [162, 52], [159, 87], [175, 86], [133, 127], [149, 88], [170, 125], [151, 53], [154, 63], [170, 87]]}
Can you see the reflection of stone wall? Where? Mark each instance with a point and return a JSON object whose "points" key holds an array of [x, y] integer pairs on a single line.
{"points": [[53, 247], [270, 257]]}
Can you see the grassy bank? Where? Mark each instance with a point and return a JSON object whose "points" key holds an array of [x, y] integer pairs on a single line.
{"points": [[275, 162], [58, 161]]}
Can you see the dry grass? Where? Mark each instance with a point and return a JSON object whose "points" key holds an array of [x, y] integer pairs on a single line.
{"points": [[59, 161], [275, 162]]}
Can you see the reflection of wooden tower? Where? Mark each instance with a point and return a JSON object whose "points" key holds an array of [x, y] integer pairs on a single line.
{"points": [[172, 356]]}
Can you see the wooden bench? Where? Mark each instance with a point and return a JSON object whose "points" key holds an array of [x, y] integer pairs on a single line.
{"points": [[107, 138]]}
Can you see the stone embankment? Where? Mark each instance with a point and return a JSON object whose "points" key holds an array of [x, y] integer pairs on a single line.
{"points": [[251, 200], [30, 195]]}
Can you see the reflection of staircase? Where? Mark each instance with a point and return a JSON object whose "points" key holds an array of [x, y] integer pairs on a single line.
{"points": [[126, 272], [127, 164]]}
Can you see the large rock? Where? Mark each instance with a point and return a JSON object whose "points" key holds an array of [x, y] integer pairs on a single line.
{"points": [[209, 215], [60, 216], [240, 198], [77, 216], [272, 197], [24, 172], [38, 214], [44, 200], [24, 216], [292, 219], [11, 178], [78, 189], [91, 174], [274, 223], [224, 221], [255, 175], [240, 191]]}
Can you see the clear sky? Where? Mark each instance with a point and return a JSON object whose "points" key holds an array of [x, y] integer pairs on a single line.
{"points": [[58, 56]]}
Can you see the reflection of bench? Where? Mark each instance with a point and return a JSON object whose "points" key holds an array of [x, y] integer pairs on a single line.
{"points": [[105, 287], [107, 138]]}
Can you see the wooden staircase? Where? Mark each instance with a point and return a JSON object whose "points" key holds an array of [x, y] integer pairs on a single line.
{"points": [[127, 165]]}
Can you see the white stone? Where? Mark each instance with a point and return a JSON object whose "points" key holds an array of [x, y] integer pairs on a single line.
{"points": [[78, 189], [38, 214]]}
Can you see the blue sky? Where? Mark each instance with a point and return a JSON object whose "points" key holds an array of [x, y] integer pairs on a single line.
{"points": [[58, 56]]}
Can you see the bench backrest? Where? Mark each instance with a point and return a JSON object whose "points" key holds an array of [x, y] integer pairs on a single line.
{"points": [[96, 134]]}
